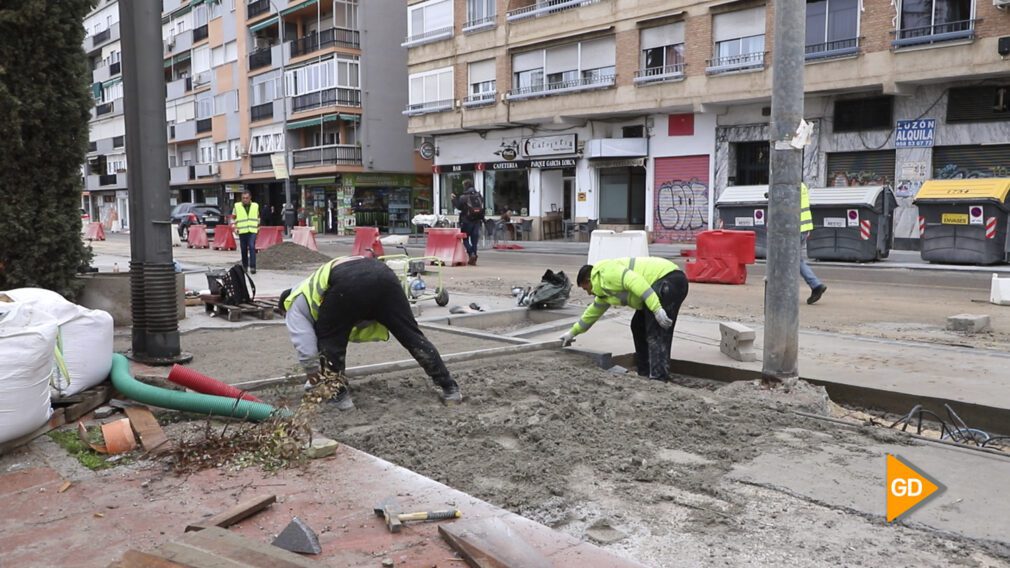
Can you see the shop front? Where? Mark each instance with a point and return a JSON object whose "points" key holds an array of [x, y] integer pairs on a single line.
{"points": [[338, 204]]}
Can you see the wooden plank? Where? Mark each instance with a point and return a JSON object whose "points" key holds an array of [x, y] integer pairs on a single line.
{"points": [[491, 543], [239, 512], [215, 547], [146, 425], [138, 559], [89, 400]]}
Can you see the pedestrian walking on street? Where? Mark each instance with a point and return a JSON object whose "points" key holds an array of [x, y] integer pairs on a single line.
{"points": [[471, 218], [356, 299], [654, 287], [817, 288], [247, 223], [289, 218]]}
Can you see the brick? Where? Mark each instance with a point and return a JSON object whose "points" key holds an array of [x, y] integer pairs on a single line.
{"points": [[968, 323]]}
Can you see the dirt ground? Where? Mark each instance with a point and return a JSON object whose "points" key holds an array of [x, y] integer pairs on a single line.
{"points": [[635, 466]]}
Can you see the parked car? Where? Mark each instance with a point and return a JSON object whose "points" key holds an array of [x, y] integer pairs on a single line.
{"points": [[85, 218], [186, 214]]}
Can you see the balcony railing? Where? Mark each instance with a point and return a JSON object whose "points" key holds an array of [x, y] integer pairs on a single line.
{"points": [[203, 125], [659, 74], [256, 8], [108, 179], [431, 106], [105, 108], [336, 155], [101, 36], [115, 68], [964, 29], [118, 141], [478, 24], [736, 63], [837, 48], [261, 112], [260, 58], [326, 38], [200, 33], [480, 99], [428, 36], [562, 87], [329, 97], [546, 8], [261, 162]]}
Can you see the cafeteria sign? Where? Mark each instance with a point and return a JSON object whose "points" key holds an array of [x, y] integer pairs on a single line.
{"points": [[915, 133]]}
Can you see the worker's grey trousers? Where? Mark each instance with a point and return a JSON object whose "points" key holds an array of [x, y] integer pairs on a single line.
{"points": [[652, 342]]}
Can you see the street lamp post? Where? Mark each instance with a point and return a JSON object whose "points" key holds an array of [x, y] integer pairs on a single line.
{"points": [[284, 107]]}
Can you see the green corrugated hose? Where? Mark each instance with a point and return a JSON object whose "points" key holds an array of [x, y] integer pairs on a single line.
{"points": [[179, 400]]}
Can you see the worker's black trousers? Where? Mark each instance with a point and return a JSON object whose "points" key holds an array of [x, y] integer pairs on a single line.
{"points": [[652, 342], [367, 290]]}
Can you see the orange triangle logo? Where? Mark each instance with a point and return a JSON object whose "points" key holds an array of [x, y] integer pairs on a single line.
{"points": [[907, 487]]}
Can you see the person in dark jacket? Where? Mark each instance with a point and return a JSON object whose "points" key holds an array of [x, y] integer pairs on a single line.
{"points": [[471, 217]]}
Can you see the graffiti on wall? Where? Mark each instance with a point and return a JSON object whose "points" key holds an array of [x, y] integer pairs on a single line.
{"points": [[857, 178], [681, 209], [953, 171]]}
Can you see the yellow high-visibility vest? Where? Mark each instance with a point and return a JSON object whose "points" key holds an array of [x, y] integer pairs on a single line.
{"points": [[247, 221], [806, 218], [314, 288]]}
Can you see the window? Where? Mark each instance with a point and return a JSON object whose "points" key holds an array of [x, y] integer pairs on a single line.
{"points": [[327, 136], [481, 82], [345, 14], [429, 21], [204, 107], [226, 102], [115, 163], [430, 91], [928, 21], [201, 59], [200, 16], [338, 72], [622, 195], [832, 27], [206, 151], [662, 51], [224, 54], [112, 91], [577, 66], [266, 139], [264, 89], [235, 146], [348, 73], [479, 14], [739, 40], [222, 151], [863, 114], [752, 163]]}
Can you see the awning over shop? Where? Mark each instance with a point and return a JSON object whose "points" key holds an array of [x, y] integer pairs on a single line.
{"points": [[315, 121], [264, 24], [350, 117], [297, 7], [318, 181], [995, 189]]}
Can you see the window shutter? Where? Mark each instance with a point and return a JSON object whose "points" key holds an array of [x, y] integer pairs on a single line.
{"points": [[527, 61], [482, 71], [742, 23], [597, 53], [670, 34], [563, 58]]}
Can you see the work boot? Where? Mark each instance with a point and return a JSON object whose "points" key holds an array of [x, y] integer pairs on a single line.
{"points": [[343, 400], [451, 393], [816, 294], [472, 260], [253, 270]]}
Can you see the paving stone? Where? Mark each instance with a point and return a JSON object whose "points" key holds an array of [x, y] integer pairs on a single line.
{"points": [[969, 323]]}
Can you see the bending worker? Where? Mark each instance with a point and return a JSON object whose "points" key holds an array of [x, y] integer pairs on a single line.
{"points": [[654, 287], [356, 299]]}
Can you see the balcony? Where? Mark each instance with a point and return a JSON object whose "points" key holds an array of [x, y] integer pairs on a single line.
{"points": [[203, 125], [260, 58], [546, 8], [261, 163], [938, 33], [118, 141], [418, 109], [562, 87], [480, 100], [178, 88], [335, 155], [742, 62], [329, 97], [261, 112], [662, 74], [109, 179], [115, 68], [327, 38], [180, 174], [183, 131], [828, 50], [101, 37], [200, 33], [479, 24], [427, 37], [257, 8], [104, 108]]}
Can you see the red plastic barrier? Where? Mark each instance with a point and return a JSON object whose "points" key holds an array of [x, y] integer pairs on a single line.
{"points": [[268, 237], [716, 271], [224, 238], [721, 257], [201, 383], [197, 237], [726, 243], [446, 245], [306, 237], [94, 232], [367, 238]]}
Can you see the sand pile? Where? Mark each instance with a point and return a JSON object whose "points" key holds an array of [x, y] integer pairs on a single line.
{"points": [[286, 255]]}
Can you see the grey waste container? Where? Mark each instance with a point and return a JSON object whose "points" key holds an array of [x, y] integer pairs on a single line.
{"points": [[851, 223], [745, 207], [964, 221]]}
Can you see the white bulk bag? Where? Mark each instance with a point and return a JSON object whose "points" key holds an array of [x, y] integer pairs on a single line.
{"points": [[85, 339], [27, 341]]}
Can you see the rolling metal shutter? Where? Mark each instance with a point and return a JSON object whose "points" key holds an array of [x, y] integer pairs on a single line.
{"points": [[860, 168], [953, 162]]}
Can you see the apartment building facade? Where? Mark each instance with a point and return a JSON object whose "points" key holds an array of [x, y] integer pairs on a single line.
{"points": [[639, 113], [298, 99]]}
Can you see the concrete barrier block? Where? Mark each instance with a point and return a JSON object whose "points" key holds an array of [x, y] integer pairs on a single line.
{"points": [[737, 342], [968, 323]]}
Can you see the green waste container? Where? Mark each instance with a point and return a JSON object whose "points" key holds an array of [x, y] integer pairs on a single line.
{"points": [[745, 208], [851, 223]]}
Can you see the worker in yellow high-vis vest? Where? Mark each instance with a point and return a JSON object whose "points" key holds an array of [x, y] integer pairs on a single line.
{"points": [[817, 288], [247, 223]]}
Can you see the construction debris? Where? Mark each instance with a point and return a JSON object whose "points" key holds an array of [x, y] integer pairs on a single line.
{"points": [[298, 537], [737, 341], [239, 512]]}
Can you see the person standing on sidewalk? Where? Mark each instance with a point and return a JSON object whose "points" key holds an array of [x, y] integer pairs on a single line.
{"points": [[817, 288], [247, 223], [471, 218], [646, 284], [355, 299]]}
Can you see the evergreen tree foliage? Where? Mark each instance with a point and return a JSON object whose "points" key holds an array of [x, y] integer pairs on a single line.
{"points": [[44, 111]]}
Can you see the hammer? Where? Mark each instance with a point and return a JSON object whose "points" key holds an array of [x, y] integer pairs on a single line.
{"points": [[390, 510]]}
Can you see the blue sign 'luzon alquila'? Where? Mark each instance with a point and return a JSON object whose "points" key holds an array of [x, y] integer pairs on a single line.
{"points": [[915, 133]]}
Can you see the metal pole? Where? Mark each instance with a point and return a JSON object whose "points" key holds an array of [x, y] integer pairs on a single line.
{"points": [[284, 109], [154, 302], [782, 289]]}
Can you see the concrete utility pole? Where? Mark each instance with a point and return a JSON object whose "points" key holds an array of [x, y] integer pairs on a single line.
{"points": [[782, 289], [152, 274]]}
